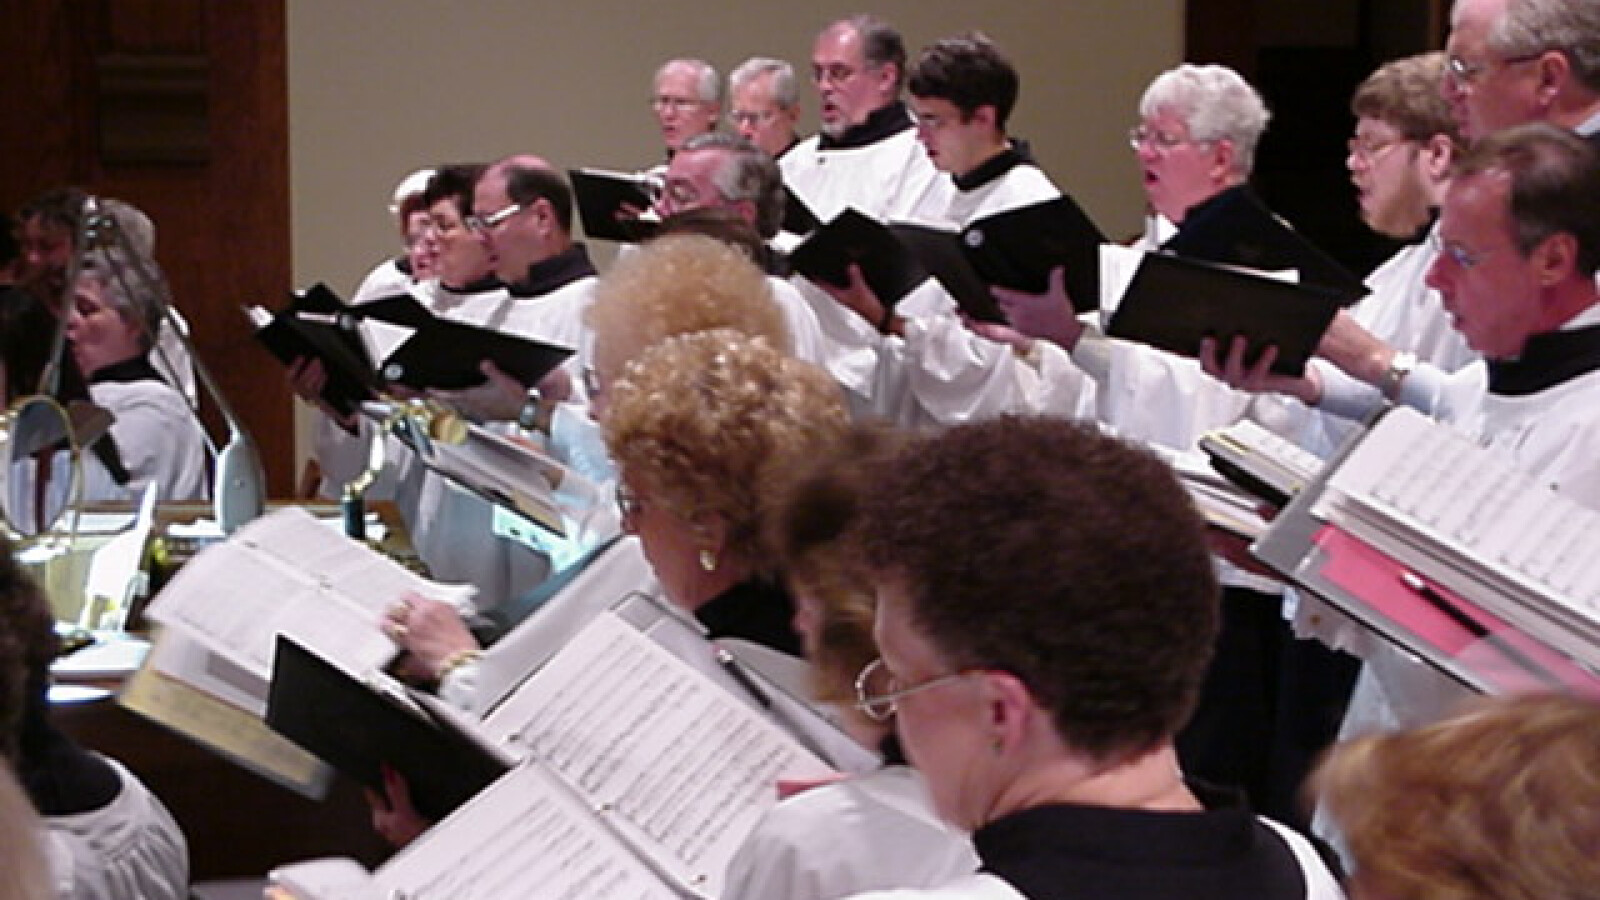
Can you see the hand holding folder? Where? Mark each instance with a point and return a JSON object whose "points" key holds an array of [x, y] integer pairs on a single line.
{"points": [[610, 204], [1174, 304], [317, 325], [439, 354]]}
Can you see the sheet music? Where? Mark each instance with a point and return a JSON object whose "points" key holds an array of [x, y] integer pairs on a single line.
{"points": [[1430, 495], [525, 836], [681, 767], [286, 572]]}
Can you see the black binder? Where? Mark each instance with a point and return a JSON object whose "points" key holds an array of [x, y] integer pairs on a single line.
{"points": [[1172, 303], [355, 729], [601, 196], [445, 354], [855, 237], [1018, 248], [317, 324], [797, 216], [1234, 228]]}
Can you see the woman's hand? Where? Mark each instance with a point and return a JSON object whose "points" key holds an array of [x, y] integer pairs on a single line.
{"points": [[430, 632]]}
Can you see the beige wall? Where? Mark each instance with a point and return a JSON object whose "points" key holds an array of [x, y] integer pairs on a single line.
{"points": [[379, 87]]}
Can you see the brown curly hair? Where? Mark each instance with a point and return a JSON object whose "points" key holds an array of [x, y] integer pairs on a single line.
{"points": [[815, 535], [1072, 560]]}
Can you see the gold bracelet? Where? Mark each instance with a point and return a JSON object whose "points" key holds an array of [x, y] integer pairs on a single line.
{"points": [[455, 661]]}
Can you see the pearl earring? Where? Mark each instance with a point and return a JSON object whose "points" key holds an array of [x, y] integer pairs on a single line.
{"points": [[708, 560]]}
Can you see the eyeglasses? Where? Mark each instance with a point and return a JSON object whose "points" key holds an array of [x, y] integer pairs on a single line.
{"points": [[834, 73], [1464, 74], [680, 193], [495, 219], [740, 119], [662, 102], [1369, 150], [1463, 257], [1158, 140], [878, 694]]}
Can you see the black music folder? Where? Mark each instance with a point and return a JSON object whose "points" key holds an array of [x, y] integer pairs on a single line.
{"points": [[356, 728], [855, 237], [317, 324], [1172, 303], [1018, 248], [1234, 228], [603, 196], [445, 354], [797, 216], [942, 254]]}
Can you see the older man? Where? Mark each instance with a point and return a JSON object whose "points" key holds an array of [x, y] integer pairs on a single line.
{"points": [[1516, 61], [765, 104], [1521, 235], [724, 171], [1400, 159], [523, 212], [687, 100], [867, 154]]}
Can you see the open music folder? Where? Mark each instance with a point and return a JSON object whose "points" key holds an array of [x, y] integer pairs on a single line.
{"points": [[1173, 303], [316, 324], [433, 352], [603, 200], [639, 776], [1452, 551]]}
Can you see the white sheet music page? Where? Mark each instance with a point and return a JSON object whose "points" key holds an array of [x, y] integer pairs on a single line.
{"points": [[678, 766], [526, 835], [287, 572], [1470, 517]]}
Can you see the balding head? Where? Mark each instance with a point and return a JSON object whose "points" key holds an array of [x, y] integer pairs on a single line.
{"points": [[522, 209]]}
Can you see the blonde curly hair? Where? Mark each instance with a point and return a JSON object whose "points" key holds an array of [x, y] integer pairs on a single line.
{"points": [[1496, 802], [707, 423], [677, 285]]}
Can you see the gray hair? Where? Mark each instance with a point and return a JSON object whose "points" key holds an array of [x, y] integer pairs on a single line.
{"points": [[881, 44], [1569, 27], [1216, 103], [747, 173], [134, 224], [707, 84], [136, 299], [785, 92]]}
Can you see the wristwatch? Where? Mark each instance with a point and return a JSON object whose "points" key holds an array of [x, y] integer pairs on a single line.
{"points": [[531, 416], [1400, 365]]}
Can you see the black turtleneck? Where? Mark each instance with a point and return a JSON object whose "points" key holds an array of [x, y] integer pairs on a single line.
{"points": [[1547, 360], [555, 272], [1015, 154], [1090, 852], [883, 122], [482, 285], [137, 368], [756, 610], [61, 778]]}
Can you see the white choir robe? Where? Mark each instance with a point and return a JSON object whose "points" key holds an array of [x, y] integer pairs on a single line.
{"points": [[867, 832]]}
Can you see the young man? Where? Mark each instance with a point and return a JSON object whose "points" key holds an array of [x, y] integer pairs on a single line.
{"points": [[932, 369]]}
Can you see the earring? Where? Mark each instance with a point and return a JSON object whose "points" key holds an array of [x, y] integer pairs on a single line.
{"points": [[708, 560]]}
